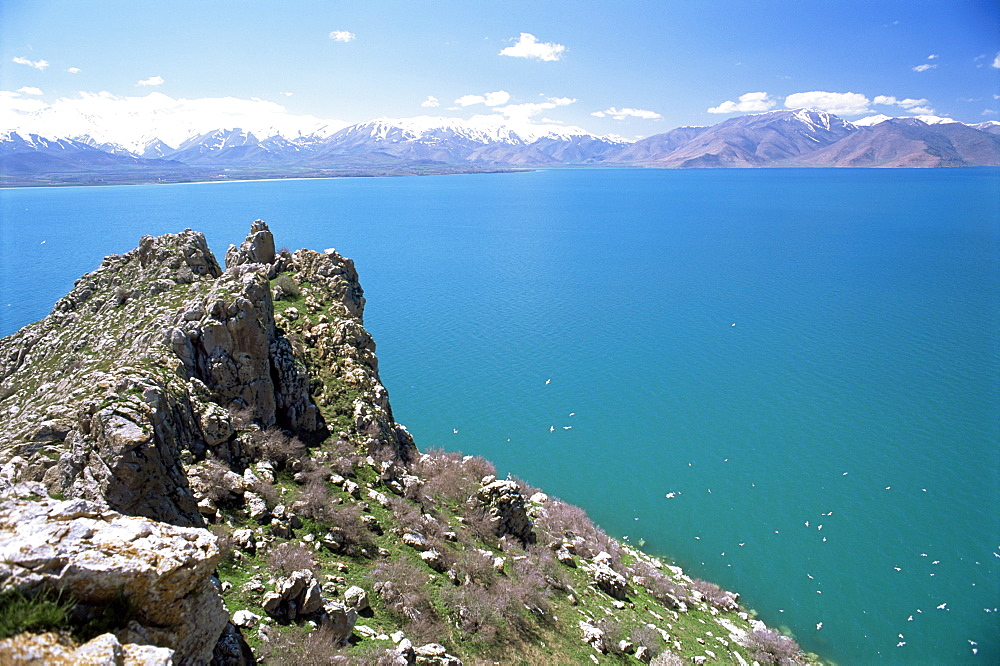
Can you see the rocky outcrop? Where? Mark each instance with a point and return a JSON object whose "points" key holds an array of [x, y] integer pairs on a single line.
{"points": [[507, 510], [159, 358], [161, 573], [105, 650]]}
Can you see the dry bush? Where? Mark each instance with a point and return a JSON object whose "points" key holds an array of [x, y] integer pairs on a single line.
{"points": [[240, 415], [355, 537], [767, 646], [402, 587], [315, 648], [662, 587], [526, 488], [715, 596], [614, 632], [564, 522], [267, 491], [645, 636], [212, 473], [532, 587], [542, 561], [342, 458], [451, 478], [476, 566], [479, 523], [278, 448], [288, 557], [227, 546], [286, 288], [476, 610]]}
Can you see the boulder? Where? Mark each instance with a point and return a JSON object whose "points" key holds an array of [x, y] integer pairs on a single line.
{"points": [[356, 598], [593, 636], [52, 649], [299, 594], [95, 556], [505, 506], [610, 581]]}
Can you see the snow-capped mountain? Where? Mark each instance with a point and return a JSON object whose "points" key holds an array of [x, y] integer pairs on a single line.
{"points": [[761, 139], [481, 139], [793, 137]]}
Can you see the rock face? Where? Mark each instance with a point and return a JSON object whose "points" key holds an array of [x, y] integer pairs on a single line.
{"points": [[158, 358], [162, 572], [506, 507]]}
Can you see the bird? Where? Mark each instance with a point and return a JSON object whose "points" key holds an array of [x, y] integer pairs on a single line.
{"points": [[942, 606], [670, 495], [819, 625], [552, 428], [548, 381]]}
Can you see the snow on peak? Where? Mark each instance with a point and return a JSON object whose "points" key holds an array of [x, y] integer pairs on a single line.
{"points": [[483, 129], [934, 120], [868, 121]]}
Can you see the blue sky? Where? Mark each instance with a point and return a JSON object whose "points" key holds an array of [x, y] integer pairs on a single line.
{"points": [[646, 66]]}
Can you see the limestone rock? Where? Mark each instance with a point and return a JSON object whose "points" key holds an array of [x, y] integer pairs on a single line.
{"points": [[610, 581], [104, 650], [506, 507], [592, 635], [356, 598], [163, 572], [258, 248], [297, 595], [435, 653]]}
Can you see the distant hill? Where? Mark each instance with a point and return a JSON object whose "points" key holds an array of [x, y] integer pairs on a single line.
{"points": [[425, 144]]}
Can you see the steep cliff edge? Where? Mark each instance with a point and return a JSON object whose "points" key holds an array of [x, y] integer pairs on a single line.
{"points": [[165, 396]]}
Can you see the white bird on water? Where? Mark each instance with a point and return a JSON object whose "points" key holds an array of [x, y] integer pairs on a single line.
{"points": [[548, 381], [552, 428]]}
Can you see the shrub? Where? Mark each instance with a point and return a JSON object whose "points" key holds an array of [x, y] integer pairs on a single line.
{"points": [[227, 547], [402, 587], [715, 596], [314, 648], [769, 647], [279, 448], [288, 557], [450, 477], [564, 522], [476, 566], [542, 562], [614, 633], [286, 288], [355, 537], [645, 636]]}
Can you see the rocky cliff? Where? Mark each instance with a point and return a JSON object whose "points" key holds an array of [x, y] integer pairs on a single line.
{"points": [[201, 465]]}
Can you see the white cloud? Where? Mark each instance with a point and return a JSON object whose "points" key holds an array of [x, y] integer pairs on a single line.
{"points": [[994, 65], [912, 105], [932, 56], [132, 121], [841, 104], [489, 99], [342, 36], [528, 46], [37, 64], [430, 101], [752, 101], [924, 67], [151, 81], [30, 90], [988, 112], [623, 113], [287, 94], [522, 112], [73, 70]]}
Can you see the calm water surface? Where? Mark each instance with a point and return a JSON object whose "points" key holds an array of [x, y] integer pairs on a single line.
{"points": [[807, 359]]}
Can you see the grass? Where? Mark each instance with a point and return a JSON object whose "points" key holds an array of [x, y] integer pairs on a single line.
{"points": [[37, 614]]}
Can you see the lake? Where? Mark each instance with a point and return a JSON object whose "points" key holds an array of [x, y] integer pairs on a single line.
{"points": [[806, 361]]}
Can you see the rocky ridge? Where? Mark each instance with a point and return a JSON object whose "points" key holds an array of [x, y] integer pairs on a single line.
{"points": [[164, 396]]}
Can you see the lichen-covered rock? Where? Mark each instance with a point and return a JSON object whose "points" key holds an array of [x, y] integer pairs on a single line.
{"points": [[610, 581], [506, 507], [104, 650], [163, 572], [258, 248]]}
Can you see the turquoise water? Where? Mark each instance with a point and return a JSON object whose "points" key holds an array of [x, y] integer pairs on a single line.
{"points": [[860, 379]]}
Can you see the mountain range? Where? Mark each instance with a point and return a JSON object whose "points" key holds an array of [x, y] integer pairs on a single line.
{"points": [[785, 138]]}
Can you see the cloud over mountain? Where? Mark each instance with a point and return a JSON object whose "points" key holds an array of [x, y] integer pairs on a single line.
{"points": [[841, 104], [749, 102]]}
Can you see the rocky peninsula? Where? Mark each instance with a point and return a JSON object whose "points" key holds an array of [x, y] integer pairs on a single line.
{"points": [[201, 465]]}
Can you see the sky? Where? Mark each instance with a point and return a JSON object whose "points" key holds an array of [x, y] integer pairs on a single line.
{"points": [[630, 68]]}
